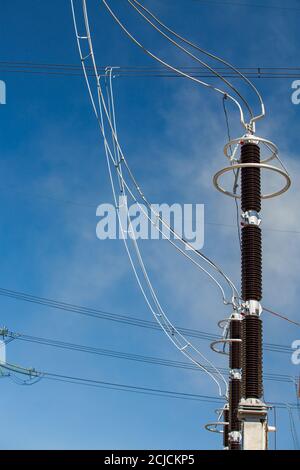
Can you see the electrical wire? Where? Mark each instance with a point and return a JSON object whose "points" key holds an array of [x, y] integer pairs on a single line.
{"points": [[125, 387], [91, 53], [134, 4], [235, 172], [251, 5], [120, 318], [212, 56], [176, 338], [174, 69], [41, 196], [293, 428], [114, 386], [124, 161], [65, 69], [101, 102], [281, 316], [93, 205], [126, 356]]}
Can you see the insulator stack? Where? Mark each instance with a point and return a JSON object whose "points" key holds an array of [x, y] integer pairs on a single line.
{"points": [[235, 446], [248, 414], [251, 263], [234, 381], [235, 347], [251, 273], [234, 399], [250, 179], [225, 429], [252, 357]]}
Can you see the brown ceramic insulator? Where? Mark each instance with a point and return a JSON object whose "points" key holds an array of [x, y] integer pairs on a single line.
{"points": [[252, 386], [251, 263], [235, 346], [250, 179]]}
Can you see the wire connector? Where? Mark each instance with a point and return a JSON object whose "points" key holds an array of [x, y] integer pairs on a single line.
{"points": [[252, 307], [251, 218], [235, 374], [235, 436]]}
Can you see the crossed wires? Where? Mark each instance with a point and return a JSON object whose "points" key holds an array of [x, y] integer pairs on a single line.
{"points": [[235, 295], [158, 361], [143, 12], [7, 369], [104, 112], [115, 159], [293, 428]]}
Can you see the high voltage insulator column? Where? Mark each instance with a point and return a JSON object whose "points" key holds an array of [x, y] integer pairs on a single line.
{"points": [[231, 423], [248, 420], [252, 410], [226, 428], [234, 436]]}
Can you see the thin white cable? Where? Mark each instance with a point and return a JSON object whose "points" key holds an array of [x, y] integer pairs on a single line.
{"points": [[178, 71], [182, 344], [145, 213], [235, 294], [169, 329], [186, 51], [125, 185], [213, 56]]}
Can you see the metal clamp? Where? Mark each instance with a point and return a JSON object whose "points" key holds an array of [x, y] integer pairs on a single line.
{"points": [[251, 218]]}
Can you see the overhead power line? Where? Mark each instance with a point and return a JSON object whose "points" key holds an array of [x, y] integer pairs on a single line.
{"points": [[251, 367], [281, 316], [173, 37], [90, 205], [252, 5], [123, 355], [126, 387], [135, 71], [120, 318]]}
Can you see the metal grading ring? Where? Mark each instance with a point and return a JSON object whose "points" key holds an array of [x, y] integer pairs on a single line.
{"points": [[252, 165], [253, 139], [223, 323], [223, 341], [214, 425]]}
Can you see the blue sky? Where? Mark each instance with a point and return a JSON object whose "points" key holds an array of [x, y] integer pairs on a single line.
{"points": [[53, 178]]}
